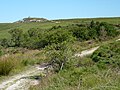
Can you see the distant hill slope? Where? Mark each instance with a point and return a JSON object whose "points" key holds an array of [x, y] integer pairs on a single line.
{"points": [[111, 20], [44, 23]]}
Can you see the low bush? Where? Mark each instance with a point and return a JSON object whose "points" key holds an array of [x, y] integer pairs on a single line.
{"points": [[59, 56], [108, 54]]}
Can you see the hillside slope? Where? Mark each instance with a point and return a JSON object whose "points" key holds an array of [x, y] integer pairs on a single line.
{"points": [[5, 27]]}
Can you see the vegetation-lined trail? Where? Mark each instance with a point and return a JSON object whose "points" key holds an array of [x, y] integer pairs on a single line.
{"points": [[25, 80], [89, 51], [22, 81]]}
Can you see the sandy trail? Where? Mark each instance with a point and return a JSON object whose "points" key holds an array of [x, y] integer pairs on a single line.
{"points": [[89, 51], [86, 52], [22, 81], [118, 40]]}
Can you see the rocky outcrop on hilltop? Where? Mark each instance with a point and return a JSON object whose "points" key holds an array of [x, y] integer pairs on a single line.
{"points": [[29, 19]]}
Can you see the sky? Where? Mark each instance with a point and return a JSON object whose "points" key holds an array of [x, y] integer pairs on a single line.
{"points": [[13, 10]]}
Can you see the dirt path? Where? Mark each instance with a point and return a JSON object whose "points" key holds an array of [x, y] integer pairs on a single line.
{"points": [[23, 81], [86, 52], [118, 40], [89, 51]]}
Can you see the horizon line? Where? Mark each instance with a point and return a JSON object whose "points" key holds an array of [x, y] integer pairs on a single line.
{"points": [[97, 17]]}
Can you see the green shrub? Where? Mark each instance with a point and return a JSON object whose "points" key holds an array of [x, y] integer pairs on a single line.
{"points": [[59, 56], [36, 38], [1, 51], [16, 37], [108, 54]]}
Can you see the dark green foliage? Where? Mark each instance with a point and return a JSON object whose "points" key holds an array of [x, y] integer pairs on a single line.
{"points": [[106, 31], [34, 32], [59, 36], [80, 33], [36, 38], [32, 38], [101, 31], [1, 51], [108, 54], [95, 30], [93, 34], [4, 42], [60, 56], [16, 36], [92, 24], [108, 28], [55, 27]]}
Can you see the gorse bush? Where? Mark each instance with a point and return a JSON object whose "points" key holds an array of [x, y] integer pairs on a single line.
{"points": [[95, 30], [34, 39], [81, 33], [16, 37], [59, 56], [108, 54]]}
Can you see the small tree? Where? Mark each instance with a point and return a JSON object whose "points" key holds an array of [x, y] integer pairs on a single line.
{"points": [[17, 35], [60, 55], [102, 33], [92, 24]]}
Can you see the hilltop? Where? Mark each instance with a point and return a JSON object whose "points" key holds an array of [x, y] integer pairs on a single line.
{"points": [[31, 19], [27, 23]]}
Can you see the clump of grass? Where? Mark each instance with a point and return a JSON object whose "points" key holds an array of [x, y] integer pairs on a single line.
{"points": [[7, 65], [1, 51], [13, 63]]}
